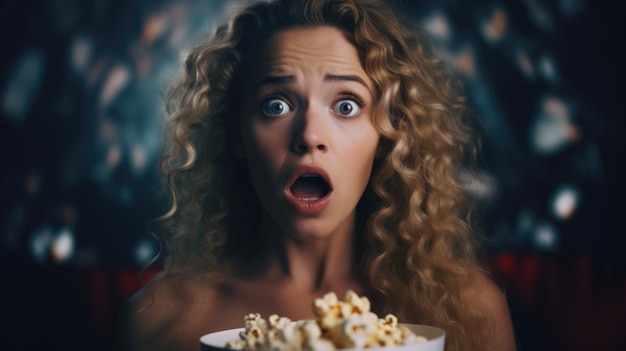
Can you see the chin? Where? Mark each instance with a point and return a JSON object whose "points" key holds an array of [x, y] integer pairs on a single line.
{"points": [[309, 231], [311, 228]]}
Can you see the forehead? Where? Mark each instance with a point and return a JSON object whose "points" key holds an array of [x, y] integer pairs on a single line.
{"points": [[321, 49]]}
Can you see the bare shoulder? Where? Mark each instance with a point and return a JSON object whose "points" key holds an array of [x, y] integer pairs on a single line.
{"points": [[160, 316], [492, 300]]}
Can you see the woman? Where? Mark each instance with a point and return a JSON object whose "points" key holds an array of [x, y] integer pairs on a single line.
{"points": [[314, 146]]}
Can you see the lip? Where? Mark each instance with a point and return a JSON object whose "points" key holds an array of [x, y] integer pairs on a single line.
{"points": [[309, 207]]}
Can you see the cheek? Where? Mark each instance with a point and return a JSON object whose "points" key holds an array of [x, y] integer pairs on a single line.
{"points": [[366, 144], [264, 141], [264, 150], [360, 155]]}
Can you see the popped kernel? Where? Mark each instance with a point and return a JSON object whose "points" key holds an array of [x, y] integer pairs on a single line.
{"points": [[338, 325]]}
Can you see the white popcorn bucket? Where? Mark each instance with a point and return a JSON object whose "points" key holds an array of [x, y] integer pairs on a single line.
{"points": [[436, 337]]}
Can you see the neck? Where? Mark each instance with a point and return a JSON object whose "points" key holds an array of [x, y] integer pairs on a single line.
{"points": [[312, 265]]}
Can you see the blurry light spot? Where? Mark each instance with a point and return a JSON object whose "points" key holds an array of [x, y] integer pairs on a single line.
{"points": [[464, 62], [40, 243], [437, 25], [63, 246], [145, 250], [480, 185], [572, 133], [153, 28], [494, 26], [547, 67], [138, 158], [525, 64], [565, 201], [549, 135], [545, 237], [552, 130], [81, 53], [117, 79], [114, 155], [556, 107], [23, 84]]}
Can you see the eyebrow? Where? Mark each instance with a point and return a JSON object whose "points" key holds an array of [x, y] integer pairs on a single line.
{"points": [[349, 78], [277, 80], [268, 80]]}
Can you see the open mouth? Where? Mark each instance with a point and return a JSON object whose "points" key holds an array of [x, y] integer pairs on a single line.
{"points": [[309, 190], [310, 187]]}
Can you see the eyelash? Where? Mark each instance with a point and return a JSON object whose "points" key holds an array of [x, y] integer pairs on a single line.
{"points": [[350, 114], [340, 98], [351, 97], [275, 97]]}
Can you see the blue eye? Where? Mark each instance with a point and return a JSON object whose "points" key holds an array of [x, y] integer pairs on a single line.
{"points": [[347, 108], [275, 107]]}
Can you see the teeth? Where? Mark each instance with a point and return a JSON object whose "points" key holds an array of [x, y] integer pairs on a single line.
{"points": [[310, 198]]}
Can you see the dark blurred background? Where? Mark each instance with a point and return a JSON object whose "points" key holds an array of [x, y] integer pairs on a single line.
{"points": [[81, 86]]}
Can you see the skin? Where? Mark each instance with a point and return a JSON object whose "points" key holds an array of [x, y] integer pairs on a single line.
{"points": [[312, 74], [315, 72]]}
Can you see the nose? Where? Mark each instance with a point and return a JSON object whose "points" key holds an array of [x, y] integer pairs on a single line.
{"points": [[310, 133]]}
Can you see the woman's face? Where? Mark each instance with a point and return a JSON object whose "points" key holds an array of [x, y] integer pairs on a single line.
{"points": [[306, 129]]}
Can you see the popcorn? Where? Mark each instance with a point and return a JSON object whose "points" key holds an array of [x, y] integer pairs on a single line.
{"points": [[338, 325]]}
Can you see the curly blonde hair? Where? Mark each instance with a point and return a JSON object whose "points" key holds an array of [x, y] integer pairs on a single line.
{"points": [[419, 252]]}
